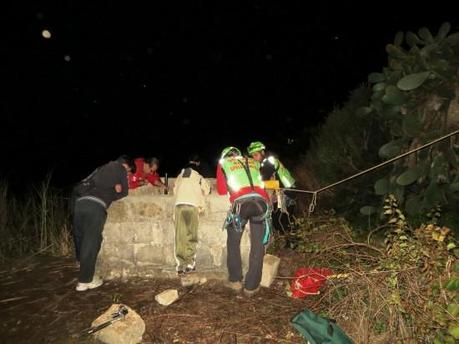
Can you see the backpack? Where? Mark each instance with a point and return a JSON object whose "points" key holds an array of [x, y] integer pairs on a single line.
{"points": [[319, 330], [83, 188]]}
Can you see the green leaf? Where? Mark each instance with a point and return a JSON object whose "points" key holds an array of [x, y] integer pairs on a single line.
{"points": [[411, 125], [451, 158], [412, 39], [380, 86], [367, 210], [451, 246], [444, 30], [377, 95], [381, 187], [395, 52], [428, 51], [439, 166], [376, 77], [396, 130], [413, 205], [453, 284], [399, 193], [440, 65], [394, 96], [449, 340], [454, 331], [425, 34], [395, 64], [398, 40], [453, 39], [412, 81], [408, 177], [390, 149], [433, 195], [437, 341], [364, 110], [392, 111]]}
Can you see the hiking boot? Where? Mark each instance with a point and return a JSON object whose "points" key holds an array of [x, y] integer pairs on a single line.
{"points": [[96, 282], [235, 286], [250, 293]]}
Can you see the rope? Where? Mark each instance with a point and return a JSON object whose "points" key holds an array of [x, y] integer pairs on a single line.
{"points": [[314, 193]]}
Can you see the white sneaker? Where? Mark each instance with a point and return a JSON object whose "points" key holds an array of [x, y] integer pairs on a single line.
{"points": [[96, 282]]}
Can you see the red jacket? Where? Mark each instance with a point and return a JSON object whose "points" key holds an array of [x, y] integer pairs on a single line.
{"points": [[139, 178], [135, 179], [152, 177], [222, 189]]}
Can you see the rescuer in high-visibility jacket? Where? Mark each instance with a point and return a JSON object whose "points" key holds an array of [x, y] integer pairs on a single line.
{"points": [[240, 177], [284, 203]]}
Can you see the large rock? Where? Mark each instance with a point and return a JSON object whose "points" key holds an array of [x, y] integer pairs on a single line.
{"points": [[126, 331]]}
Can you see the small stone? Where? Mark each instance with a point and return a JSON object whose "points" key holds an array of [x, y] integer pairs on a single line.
{"points": [[167, 297]]}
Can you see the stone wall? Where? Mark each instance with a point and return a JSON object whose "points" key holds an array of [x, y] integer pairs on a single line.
{"points": [[139, 236]]}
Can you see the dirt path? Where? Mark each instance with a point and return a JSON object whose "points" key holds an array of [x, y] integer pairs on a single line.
{"points": [[39, 304]]}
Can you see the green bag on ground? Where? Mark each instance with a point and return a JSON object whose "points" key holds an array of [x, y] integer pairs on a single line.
{"points": [[318, 330]]}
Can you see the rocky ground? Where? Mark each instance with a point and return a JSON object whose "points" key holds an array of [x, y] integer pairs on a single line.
{"points": [[39, 304]]}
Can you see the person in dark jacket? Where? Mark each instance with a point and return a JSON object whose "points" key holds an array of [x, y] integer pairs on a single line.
{"points": [[94, 195]]}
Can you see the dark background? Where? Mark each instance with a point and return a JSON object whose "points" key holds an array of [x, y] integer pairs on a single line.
{"points": [[173, 78]]}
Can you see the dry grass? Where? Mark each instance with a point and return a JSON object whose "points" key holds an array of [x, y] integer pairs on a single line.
{"points": [[372, 303], [35, 222]]}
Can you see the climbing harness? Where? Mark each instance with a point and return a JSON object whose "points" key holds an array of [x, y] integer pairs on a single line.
{"points": [[235, 222]]}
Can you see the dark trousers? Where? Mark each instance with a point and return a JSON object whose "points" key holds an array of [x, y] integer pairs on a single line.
{"points": [[88, 223], [249, 210]]}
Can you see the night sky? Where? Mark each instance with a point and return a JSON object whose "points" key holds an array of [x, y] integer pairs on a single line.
{"points": [[173, 78]]}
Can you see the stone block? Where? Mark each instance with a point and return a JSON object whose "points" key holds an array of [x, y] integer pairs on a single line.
{"points": [[149, 253], [168, 233], [216, 253], [167, 297], [270, 266], [118, 211], [203, 257], [145, 209], [125, 252], [142, 232], [211, 234], [169, 255], [112, 232]]}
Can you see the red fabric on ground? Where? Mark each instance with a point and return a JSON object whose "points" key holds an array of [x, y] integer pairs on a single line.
{"points": [[308, 281]]}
